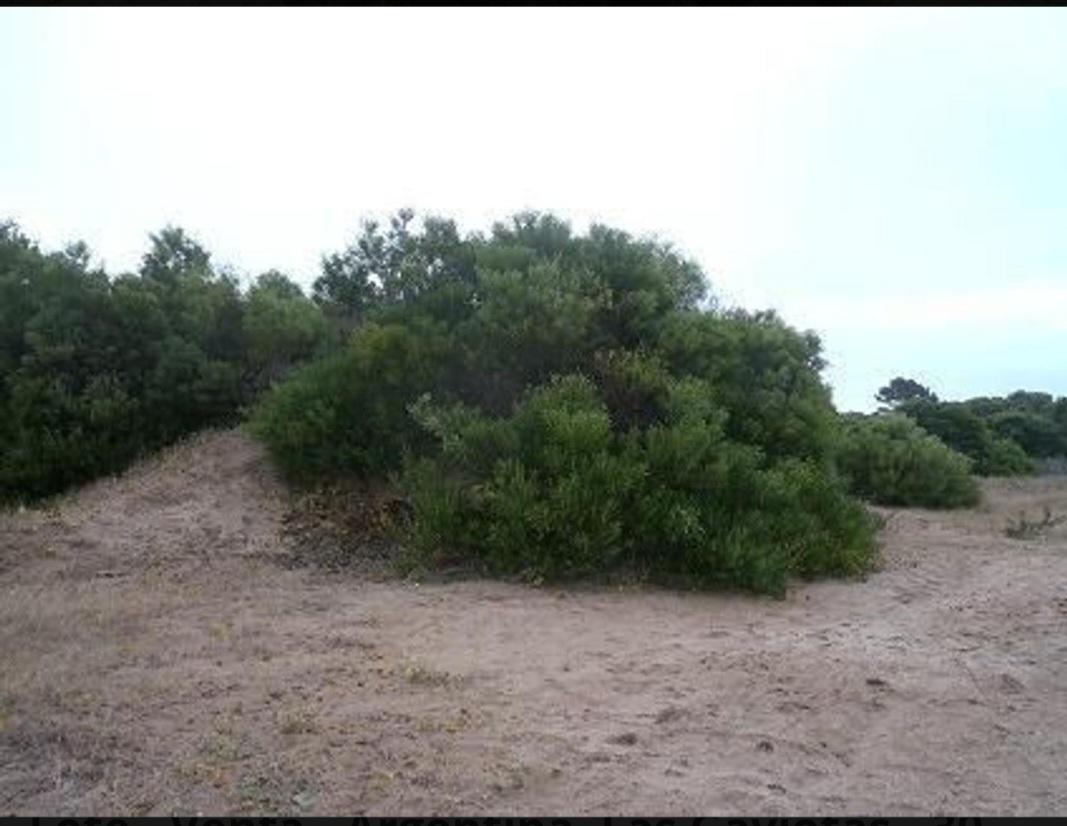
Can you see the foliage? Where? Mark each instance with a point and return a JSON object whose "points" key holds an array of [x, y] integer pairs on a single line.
{"points": [[901, 389], [1002, 435], [559, 405], [95, 369], [890, 460], [553, 490], [765, 375], [959, 427], [1035, 421], [392, 267], [347, 413], [281, 328], [1039, 436]]}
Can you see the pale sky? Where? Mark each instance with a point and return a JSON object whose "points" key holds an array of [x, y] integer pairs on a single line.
{"points": [[895, 179]]}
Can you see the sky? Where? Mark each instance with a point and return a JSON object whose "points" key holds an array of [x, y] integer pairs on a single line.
{"points": [[894, 179]]}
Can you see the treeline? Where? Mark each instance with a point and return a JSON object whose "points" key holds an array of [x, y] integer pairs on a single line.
{"points": [[919, 450], [95, 370], [1002, 436]]}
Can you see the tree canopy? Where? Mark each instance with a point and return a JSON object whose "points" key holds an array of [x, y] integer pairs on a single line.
{"points": [[901, 390]]}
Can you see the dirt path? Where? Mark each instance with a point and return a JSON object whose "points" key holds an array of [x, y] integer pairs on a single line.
{"points": [[157, 660]]}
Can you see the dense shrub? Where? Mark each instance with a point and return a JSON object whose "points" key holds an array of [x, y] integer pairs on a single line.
{"points": [[890, 460], [1038, 435], [282, 328], [765, 374], [553, 490], [963, 430], [347, 413], [95, 370], [560, 405]]}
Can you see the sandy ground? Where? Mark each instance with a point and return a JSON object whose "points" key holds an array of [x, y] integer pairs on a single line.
{"points": [[156, 659]]}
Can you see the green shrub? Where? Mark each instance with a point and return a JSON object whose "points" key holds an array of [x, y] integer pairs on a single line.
{"points": [[890, 460], [682, 440], [765, 374], [543, 492], [561, 405], [1001, 434], [96, 370], [554, 491], [1004, 457], [959, 427], [281, 328], [717, 513], [347, 413]]}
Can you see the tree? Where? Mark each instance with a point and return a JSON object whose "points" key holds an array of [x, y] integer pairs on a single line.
{"points": [[174, 254], [904, 390], [381, 270], [281, 327]]}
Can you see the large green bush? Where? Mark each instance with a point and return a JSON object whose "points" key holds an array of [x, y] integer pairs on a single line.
{"points": [[554, 490], [561, 405], [890, 460]]}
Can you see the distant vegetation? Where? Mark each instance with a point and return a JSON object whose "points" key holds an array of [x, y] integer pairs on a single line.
{"points": [[1002, 436], [919, 450], [547, 404], [891, 460]]}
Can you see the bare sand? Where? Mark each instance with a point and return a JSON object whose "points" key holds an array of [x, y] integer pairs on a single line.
{"points": [[156, 659]]}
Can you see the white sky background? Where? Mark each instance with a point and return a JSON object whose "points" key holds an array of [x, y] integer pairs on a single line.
{"points": [[895, 179]]}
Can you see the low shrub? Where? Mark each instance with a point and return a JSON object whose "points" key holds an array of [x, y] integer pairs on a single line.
{"points": [[890, 460]]}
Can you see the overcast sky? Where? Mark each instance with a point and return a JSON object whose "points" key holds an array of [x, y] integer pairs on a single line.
{"points": [[895, 179]]}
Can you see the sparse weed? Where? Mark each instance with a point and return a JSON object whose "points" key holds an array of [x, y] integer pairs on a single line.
{"points": [[1024, 528], [419, 674], [299, 722]]}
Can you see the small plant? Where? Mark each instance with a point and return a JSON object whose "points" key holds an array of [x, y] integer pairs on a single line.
{"points": [[419, 674], [1025, 529], [298, 722]]}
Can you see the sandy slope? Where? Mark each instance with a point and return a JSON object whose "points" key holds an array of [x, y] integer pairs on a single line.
{"points": [[156, 659]]}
